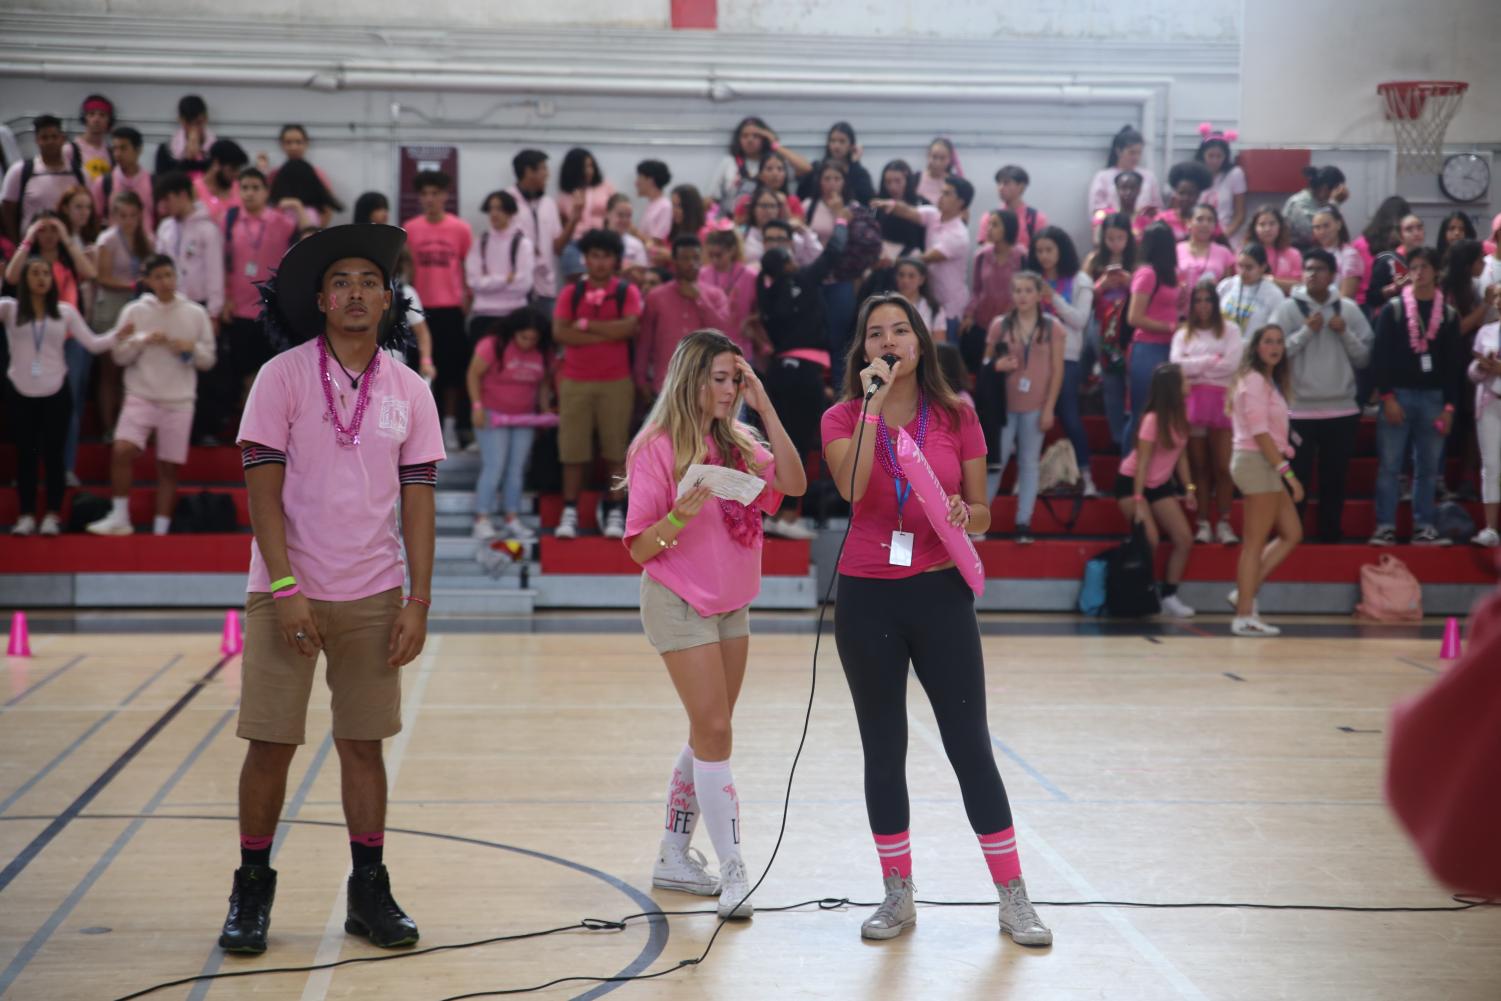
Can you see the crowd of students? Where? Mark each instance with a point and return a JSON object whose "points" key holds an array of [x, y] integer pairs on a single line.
{"points": [[565, 306]]}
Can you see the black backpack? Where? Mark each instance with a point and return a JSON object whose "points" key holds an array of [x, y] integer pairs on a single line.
{"points": [[205, 511], [484, 241], [862, 246], [582, 285], [86, 509], [1130, 579]]}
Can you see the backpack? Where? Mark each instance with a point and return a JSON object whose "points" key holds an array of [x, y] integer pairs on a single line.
{"points": [[862, 246], [484, 241], [1389, 592], [1130, 578], [28, 171], [1058, 476], [582, 285], [205, 511], [1092, 588], [1454, 523], [1115, 337], [1303, 306], [86, 508], [1031, 223]]}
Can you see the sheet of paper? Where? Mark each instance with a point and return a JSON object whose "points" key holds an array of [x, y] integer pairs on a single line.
{"points": [[731, 484]]}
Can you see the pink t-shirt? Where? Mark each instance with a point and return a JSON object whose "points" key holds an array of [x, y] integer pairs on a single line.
{"points": [[140, 184], [1217, 262], [1023, 238], [739, 287], [668, 317], [949, 446], [255, 247], [946, 277], [605, 362], [45, 189], [218, 205], [438, 252], [992, 286], [1164, 454], [510, 387], [343, 540], [656, 218], [1162, 306], [595, 199], [1286, 263], [709, 568], [97, 159], [1257, 407], [37, 364]]}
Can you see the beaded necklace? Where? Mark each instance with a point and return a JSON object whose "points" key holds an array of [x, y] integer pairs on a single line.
{"points": [[347, 437]]}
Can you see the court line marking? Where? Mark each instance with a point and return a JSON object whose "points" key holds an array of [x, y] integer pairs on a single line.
{"points": [[1026, 766], [1417, 664], [52, 830], [34, 944], [15, 699], [334, 935], [1035, 842], [65, 753]]}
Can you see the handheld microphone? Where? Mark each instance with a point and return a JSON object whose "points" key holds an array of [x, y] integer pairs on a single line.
{"points": [[876, 382]]}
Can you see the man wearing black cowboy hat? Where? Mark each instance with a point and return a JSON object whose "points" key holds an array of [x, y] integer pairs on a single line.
{"points": [[335, 432]]}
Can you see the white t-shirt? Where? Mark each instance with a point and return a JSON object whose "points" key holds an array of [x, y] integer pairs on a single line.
{"points": [[946, 277], [43, 191]]}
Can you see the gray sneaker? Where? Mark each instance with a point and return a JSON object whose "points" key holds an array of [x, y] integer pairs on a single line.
{"points": [[897, 912], [1019, 918]]}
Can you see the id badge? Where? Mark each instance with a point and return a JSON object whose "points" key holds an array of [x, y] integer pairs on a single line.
{"points": [[1024, 385], [36, 370], [901, 549], [252, 269], [1295, 438], [1426, 363]]}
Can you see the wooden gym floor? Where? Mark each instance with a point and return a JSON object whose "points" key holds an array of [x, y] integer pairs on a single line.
{"points": [[1162, 764]]}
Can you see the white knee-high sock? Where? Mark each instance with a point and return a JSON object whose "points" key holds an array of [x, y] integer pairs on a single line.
{"points": [[682, 803], [720, 806]]}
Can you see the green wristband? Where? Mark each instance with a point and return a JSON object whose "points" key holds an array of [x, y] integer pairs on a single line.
{"points": [[673, 519], [277, 585]]}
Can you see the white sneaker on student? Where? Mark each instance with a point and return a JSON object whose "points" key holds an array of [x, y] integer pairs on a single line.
{"points": [[50, 525], [615, 523], [568, 526], [1487, 537], [1233, 599], [519, 530], [1090, 490], [113, 523], [450, 436], [788, 529], [484, 529], [1173, 607], [687, 871], [1225, 535], [734, 887], [71, 479], [1205, 534], [1253, 627], [25, 525]]}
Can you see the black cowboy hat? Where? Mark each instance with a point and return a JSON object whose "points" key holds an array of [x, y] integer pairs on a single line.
{"points": [[290, 296]]}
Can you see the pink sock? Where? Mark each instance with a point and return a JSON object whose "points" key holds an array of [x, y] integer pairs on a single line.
{"points": [[1000, 855], [256, 843], [895, 851]]}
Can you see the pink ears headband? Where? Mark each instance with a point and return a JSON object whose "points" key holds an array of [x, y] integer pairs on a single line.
{"points": [[1208, 132]]}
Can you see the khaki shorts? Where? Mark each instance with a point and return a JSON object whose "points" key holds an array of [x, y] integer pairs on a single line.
{"points": [[1253, 474], [585, 408], [277, 680], [672, 624]]}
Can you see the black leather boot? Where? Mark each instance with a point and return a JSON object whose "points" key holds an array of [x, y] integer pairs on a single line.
{"points": [[374, 913], [249, 916]]}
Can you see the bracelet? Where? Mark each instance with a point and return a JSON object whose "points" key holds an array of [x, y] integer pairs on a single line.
{"points": [[1448, 408], [872, 418], [1138, 497], [287, 581], [776, 147], [294, 589], [427, 359], [1193, 488], [1288, 475], [672, 519], [421, 601], [664, 544], [1284, 468], [582, 323]]}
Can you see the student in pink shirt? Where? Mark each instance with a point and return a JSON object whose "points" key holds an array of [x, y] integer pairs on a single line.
{"points": [[595, 320], [902, 604], [35, 185], [97, 113], [1151, 479], [1125, 155], [728, 272], [256, 237], [540, 220], [1201, 257], [1188, 182], [294, 142], [440, 242], [510, 383], [1011, 184], [1227, 189], [1330, 233], [1381, 235], [1208, 347], [619, 218], [500, 268], [652, 179], [941, 163], [189, 235], [996, 262], [163, 343], [583, 195], [674, 311], [1263, 473], [947, 252], [776, 174], [701, 560], [119, 254], [1284, 261], [126, 175], [1153, 315], [218, 187], [335, 436]]}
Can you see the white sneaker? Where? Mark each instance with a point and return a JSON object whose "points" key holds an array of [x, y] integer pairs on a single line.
{"points": [[1173, 607], [788, 529], [50, 525], [615, 523], [897, 912], [111, 524], [1253, 627], [484, 529], [734, 887], [519, 530], [450, 436], [1090, 490], [1487, 538], [25, 525], [1225, 535], [1019, 918], [1233, 599], [71, 479], [687, 871], [568, 526], [1204, 535]]}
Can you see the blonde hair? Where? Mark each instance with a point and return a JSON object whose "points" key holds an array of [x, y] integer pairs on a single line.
{"points": [[678, 411]]}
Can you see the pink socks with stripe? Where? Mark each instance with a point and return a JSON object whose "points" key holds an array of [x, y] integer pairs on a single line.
{"points": [[1000, 855], [895, 851], [682, 803], [720, 805]]}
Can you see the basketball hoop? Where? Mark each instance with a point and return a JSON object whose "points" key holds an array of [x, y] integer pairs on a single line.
{"points": [[1420, 112]]}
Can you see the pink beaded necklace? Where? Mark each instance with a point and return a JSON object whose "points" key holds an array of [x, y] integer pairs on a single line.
{"points": [[348, 437]]}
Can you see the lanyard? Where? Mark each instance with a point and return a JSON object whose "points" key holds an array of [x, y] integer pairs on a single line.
{"points": [[38, 335], [902, 485]]}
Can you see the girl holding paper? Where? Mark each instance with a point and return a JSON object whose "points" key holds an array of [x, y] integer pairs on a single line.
{"points": [[702, 560], [901, 598]]}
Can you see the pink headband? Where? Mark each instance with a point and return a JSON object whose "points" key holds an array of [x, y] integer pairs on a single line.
{"points": [[98, 104], [1208, 132]]}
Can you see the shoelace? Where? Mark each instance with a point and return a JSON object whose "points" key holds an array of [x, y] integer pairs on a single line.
{"points": [[696, 859], [887, 913], [1022, 907]]}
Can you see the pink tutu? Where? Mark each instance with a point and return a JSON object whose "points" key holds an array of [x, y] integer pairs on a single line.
{"points": [[1206, 408]]}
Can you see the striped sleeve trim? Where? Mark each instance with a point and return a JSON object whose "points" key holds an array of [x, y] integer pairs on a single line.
{"points": [[260, 455], [425, 473]]}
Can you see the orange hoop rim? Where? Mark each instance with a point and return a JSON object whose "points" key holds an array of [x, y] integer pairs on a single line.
{"points": [[1406, 99]]}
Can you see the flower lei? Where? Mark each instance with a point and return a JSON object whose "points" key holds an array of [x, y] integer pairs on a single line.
{"points": [[741, 520], [1415, 337]]}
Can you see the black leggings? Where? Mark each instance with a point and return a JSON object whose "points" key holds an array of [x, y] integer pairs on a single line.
{"points": [[40, 427], [929, 619]]}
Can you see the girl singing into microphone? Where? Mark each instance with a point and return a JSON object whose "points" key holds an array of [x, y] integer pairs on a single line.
{"points": [[702, 560], [902, 600]]}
